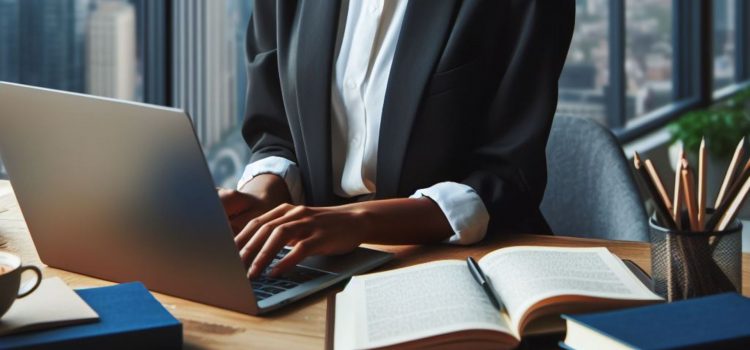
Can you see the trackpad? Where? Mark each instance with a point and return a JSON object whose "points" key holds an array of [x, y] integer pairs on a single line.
{"points": [[358, 261]]}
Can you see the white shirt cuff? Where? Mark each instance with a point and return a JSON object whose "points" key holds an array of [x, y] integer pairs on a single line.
{"points": [[282, 167], [463, 208]]}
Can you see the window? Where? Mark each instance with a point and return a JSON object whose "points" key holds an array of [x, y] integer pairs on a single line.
{"points": [[73, 45], [633, 65], [723, 43], [648, 56], [209, 79], [128, 50], [584, 82], [653, 60]]}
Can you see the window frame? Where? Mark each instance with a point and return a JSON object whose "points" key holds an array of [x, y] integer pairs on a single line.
{"points": [[692, 76]]}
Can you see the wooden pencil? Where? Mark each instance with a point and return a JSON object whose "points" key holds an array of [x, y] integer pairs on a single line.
{"points": [[655, 190], [651, 170], [688, 195], [731, 171], [701, 195], [734, 208], [731, 193], [677, 198]]}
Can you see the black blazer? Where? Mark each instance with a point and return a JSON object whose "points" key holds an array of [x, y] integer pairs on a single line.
{"points": [[470, 98]]}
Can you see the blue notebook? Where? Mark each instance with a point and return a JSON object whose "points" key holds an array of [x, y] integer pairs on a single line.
{"points": [[129, 318], [716, 322]]}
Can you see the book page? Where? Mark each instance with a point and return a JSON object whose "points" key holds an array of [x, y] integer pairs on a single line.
{"points": [[412, 303], [52, 304], [523, 276]]}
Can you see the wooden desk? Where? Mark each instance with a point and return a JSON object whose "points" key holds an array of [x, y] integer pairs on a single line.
{"points": [[301, 325]]}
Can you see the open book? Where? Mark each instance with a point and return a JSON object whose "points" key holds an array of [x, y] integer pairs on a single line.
{"points": [[440, 303]]}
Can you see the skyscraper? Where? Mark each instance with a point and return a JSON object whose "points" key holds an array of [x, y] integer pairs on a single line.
{"points": [[52, 33], [9, 37], [205, 67], [111, 51]]}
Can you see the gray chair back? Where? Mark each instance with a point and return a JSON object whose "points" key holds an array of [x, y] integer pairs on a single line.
{"points": [[590, 190]]}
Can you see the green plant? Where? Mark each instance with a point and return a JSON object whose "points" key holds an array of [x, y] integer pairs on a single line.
{"points": [[723, 125]]}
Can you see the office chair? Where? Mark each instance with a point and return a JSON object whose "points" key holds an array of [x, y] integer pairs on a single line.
{"points": [[591, 191]]}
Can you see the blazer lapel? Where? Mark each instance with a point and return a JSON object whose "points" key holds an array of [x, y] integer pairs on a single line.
{"points": [[423, 35], [314, 61]]}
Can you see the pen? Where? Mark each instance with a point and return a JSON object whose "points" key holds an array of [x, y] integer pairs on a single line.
{"points": [[479, 276]]}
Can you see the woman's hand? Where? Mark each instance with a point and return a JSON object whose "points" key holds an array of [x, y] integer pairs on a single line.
{"points": [[259, 195], [337, 230], [310, 230]]}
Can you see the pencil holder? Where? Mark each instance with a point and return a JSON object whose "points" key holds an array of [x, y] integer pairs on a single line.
{"points": [[692, 264]]}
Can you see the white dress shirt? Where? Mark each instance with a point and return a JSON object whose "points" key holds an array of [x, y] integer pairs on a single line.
{"points": [[366, 44]]}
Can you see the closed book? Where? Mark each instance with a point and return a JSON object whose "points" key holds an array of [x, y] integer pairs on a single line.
{"points": [[129, 318], [715, 322]]}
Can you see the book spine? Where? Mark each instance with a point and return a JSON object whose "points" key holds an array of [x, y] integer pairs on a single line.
{"points": [[166, 337]]}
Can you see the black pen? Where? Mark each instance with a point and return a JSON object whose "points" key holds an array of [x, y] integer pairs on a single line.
{"points": [[476, 271]]}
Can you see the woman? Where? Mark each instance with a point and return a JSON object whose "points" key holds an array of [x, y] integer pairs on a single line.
{"points": [[395, 122]]}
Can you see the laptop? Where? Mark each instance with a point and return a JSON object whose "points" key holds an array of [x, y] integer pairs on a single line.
{"points": [[121, 191]]}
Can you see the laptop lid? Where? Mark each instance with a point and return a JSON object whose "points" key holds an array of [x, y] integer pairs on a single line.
{"points": [[120, 191]]}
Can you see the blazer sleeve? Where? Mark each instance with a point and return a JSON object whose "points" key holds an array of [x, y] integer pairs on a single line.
{"points": [[266, 127], [509, 162]]}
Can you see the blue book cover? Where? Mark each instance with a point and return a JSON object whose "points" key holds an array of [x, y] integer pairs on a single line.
{"points": [[129, 318], [717, 322]]}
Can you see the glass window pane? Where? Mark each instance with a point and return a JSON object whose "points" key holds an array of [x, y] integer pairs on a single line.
{"points": [[584, 81], [724, 42], [585, 78], [648, 56], [209, 73], [74, 45]]}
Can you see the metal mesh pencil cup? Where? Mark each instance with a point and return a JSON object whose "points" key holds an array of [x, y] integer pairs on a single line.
{"points": [[692, 264]]}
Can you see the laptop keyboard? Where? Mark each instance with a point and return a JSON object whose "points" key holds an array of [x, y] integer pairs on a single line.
{"points": [[265, 286]]}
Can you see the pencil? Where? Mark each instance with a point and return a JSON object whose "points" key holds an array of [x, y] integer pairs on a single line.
{"points": [[688, 194], [660, 189], [734, 208], [702, 185], [677, 199], [656, 190], [731, 170], [731, 193]]}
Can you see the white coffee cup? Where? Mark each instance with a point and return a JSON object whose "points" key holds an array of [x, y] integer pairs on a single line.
{"points": [[11, 270]]}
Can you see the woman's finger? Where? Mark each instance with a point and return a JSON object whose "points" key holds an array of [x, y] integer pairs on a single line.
{"points": [[259, 237], [299, 252], [253, 225], [278, 238]]}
